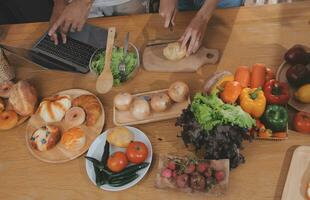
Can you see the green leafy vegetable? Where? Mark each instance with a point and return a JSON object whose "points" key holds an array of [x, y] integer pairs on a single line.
{"points": [[210, 111], [118, 54]]}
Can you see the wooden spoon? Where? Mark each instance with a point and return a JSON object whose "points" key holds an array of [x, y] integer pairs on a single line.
{"points": [[105, 80]]}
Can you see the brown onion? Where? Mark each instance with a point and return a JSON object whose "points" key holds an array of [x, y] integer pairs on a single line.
{"points": [[140, 109], [160, 102], [122, 101], [178, 91]]}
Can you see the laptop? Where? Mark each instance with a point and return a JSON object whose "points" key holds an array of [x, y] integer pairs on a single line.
{"points": [[75, 55]]}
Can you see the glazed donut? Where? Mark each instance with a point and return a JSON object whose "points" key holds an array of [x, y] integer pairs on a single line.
{"points": [[8, 119], [5, 89], [75, 116], [2, 105]]}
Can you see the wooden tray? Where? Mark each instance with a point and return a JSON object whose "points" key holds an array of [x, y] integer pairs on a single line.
{"points": [[59, 154], [281, 76], [153, 60], [298, 175], [123, 118]]}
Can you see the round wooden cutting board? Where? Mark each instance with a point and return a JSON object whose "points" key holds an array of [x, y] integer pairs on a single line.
{"points": [[59, 154]]}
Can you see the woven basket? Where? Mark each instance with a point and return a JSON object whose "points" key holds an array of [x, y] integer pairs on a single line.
{"points": [[6, 71]]}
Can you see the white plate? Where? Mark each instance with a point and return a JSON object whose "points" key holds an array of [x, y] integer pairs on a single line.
{"points": [[298, 175], [281, 76], [96, 151]]}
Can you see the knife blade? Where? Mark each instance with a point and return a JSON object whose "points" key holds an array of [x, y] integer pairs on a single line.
{"points": [[160, 42]]}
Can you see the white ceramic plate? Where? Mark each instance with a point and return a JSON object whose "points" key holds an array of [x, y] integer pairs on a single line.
{"points": [[96, 150]]}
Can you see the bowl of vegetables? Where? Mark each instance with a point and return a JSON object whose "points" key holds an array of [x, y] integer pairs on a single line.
{"points": [[131, 61]]}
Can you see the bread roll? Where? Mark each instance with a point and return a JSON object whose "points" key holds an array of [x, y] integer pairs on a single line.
{"points": [[54, 109], [8, 119], [73, 139], [23, 98], [173, 51], [45, 138], [2, 105], [5, 89], [120, 136]]}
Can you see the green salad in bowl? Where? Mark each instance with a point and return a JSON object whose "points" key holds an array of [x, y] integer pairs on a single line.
{"points": [[131, 61]]}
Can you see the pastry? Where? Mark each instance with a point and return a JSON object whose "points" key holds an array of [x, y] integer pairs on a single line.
{"points": [[54, 109], [8, 119], [5, 88], [45, 138], [23, 98], [91, 106], [308, 191], [73, 139], [173, 51], [120, 136], [2, 105], [75, 116]]}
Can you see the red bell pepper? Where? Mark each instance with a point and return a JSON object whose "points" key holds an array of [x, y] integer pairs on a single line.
{"points": [[276, 92]]}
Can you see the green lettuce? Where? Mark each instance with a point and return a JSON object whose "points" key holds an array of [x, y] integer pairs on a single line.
{"points": [[210, 111], [118, 54]]}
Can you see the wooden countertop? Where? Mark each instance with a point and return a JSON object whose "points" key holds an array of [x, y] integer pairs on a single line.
{"points": [[244, 36]]}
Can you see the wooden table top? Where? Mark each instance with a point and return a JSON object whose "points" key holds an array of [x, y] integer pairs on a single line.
{"points": [[244, 36]]}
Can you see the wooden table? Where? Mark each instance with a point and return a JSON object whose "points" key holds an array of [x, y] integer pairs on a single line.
{"points": [[243, 35]]}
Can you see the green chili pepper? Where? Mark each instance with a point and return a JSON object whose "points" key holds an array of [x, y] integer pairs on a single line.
{"points": [[106, 154], [95, 162], [275, 118]]}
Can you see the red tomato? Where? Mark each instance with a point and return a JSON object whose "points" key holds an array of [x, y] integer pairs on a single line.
{"points": [[137, 152], [117, 161], [302, 122]]}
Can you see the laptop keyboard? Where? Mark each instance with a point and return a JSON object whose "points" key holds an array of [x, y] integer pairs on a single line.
{"points": [[73, 53]]}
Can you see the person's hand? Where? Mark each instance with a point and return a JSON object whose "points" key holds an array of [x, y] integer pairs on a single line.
{"points": [[59, 6], [194, 35], [168, 10], [73, 17]]}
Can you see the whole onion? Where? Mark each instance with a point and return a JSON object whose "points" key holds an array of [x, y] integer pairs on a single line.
{"points": [[122, 101], [140, 109], [178, 91], [160, 102]]}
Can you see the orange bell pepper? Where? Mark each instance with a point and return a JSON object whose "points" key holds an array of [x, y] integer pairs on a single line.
{"points": [[253, 101]]}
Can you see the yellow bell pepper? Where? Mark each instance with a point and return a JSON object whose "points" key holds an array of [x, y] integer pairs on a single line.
{"points": [[253, 101]]}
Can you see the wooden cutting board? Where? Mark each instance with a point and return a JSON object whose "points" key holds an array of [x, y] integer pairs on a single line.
{"points": [[154, 60]]}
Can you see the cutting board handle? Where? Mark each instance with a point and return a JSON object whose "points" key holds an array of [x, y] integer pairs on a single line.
{"points": [[211, 56]]}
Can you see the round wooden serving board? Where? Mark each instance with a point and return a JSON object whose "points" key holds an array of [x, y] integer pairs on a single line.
{"points": [[59, 154]]}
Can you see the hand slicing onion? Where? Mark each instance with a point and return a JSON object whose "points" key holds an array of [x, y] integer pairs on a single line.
{"points": [[122, 101], [140, 109], [178, 91], [160, 102]]}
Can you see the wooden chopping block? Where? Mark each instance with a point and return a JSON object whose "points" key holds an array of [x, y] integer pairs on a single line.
{"points": [[154, 60]]}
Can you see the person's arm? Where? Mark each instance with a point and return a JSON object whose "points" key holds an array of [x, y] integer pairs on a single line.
{"points": [[168, 10], [73, 18], [195, 31]]}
